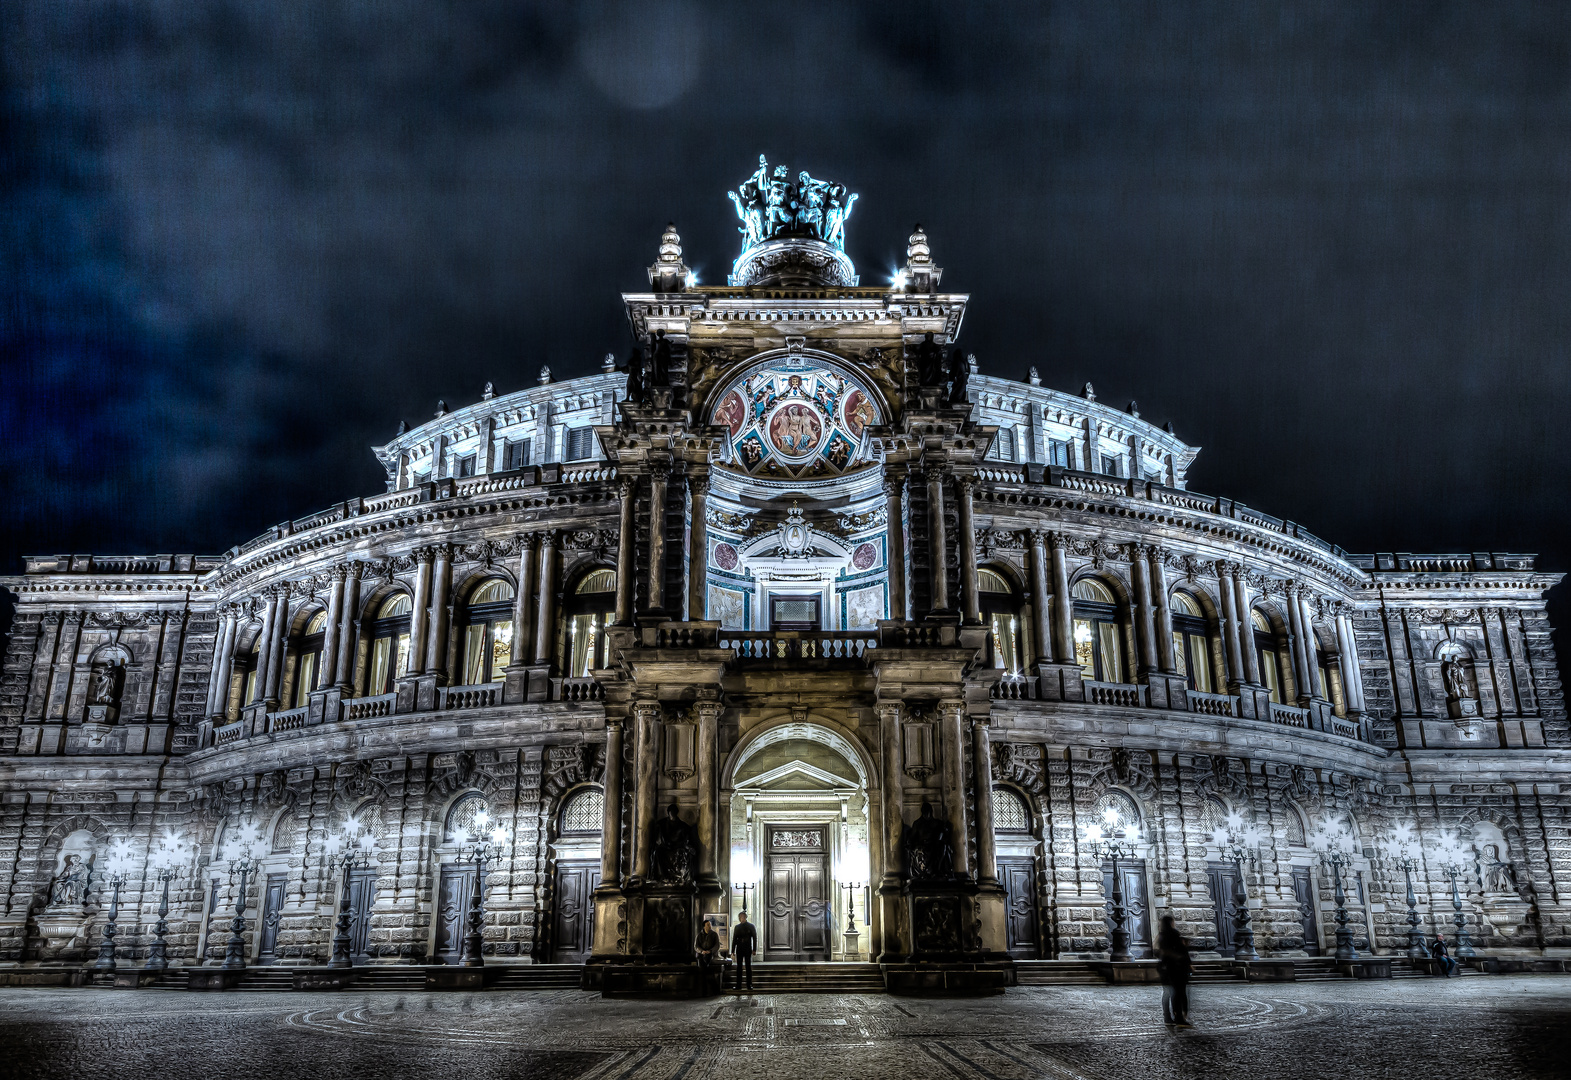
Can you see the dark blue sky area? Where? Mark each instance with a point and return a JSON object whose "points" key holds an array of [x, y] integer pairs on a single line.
{"points": [[241, 241]]}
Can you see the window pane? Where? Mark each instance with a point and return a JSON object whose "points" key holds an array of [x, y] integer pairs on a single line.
{"points": [[395, 605], [403, 654], [501, 648], [1112, 658], [1180, 663], [1338, 699], [584, 812], [1201, 663], [474, 654], [581, 642], [1009, 812], [250, 688], [1268, 673], [305, 679], [1085, 651], [1325, 682], [1006, 646], [381, 650]]}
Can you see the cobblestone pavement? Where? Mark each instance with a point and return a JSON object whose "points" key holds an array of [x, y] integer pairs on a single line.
{"points": [[1502, 1027]]}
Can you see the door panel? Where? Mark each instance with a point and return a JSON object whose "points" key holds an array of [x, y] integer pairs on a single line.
{"points": [[812, 905], [452, 912], [780, 936], [1137, 920], [1223, 883], [272, 914], [797, 900], [362, 895], [574, 924], [1018, 880], [1308, 904]]}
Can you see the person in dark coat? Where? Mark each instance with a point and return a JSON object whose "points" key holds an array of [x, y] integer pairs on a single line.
{"points": [[744, 940], [1173, 966], [708, 945], [1443, 954]]}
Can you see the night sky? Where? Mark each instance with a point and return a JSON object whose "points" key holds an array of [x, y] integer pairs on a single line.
{"points": [[1330, 242]]}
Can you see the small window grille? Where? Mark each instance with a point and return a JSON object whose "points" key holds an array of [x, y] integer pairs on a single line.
{"points": [[580, 443], [517, 454], [1295, 828], [461, 819], [584, 812], [1009, 812]]}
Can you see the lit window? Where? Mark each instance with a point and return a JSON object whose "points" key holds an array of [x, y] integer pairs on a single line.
{"points": [[1270, 657], [488, 635], [1097, 648], [1191, 657], [589, 610], [389, 633], [1001, 610]]}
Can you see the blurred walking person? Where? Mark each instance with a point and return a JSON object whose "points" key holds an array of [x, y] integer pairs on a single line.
{"points": [[1174, 968]]}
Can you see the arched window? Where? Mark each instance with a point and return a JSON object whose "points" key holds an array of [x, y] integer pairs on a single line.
{"points": [[1191, 655], [1295, 827], [1009, 812], [588, 610], [389, 634], [245, 667], [1330, 678], [1212, 814], [461, 818], [488, 635], [1096, 631], [308, 658], [1125, 812], [1270, 656], [1001, 611], [583, 813]]}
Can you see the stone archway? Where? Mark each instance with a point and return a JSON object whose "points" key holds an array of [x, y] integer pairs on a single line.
{"points": [[798, 826]]}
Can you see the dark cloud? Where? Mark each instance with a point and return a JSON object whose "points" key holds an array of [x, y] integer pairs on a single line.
{"points": [[241, 241]]}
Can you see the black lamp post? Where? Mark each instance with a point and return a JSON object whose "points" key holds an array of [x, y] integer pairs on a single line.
{"points": [[1239, 840], [1453, 857], [244, 854], [348, 851], [483, 848], [1113, 839], [117, 867], [167, 862], [1333, 840], [1405, 850]]}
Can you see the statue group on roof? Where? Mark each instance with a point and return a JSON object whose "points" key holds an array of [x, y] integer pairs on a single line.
{"points": [[771, 205]]}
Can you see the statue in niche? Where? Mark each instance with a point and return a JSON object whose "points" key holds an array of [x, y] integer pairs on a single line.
{"points": [[959, 378], [1454, 673], [673, 851], [1499, 875], [69, 887], [930, 850], [105, 688], [928, 357], [635, 377], [661, 376]]}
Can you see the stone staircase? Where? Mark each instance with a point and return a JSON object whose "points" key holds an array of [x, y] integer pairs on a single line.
{"points": [[824, 978], [390, 977], [539, 977], [1057, 973]]}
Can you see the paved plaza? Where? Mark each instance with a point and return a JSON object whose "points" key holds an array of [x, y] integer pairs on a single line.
{"points": [[1500, 1027]]}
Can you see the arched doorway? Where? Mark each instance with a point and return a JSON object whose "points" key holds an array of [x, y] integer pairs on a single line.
{"points": [[799, 843], [576, 853]]}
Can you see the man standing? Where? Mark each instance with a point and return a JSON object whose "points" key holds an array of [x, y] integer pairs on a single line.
{"points": [[744, 939]]}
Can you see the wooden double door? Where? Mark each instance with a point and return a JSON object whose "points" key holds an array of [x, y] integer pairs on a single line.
{"points": [[796, 900], [573, 921], [1137, 916], [1223, 882], [456, 891]]}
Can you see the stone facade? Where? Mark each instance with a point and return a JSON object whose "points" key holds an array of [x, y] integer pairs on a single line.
{"points": [[802, 575]]}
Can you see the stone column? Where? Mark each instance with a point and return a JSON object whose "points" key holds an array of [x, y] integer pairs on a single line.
{"points": [[345, 670], [1249, 655], [1164, 612], [965, 487], [950, 720], [335, 612], [277, 647], [894, 513], [611, 822], [441, 593], [1347, 653], [1063, 605], [223, 664], [545, 620], [982, 766], [657, 490], [625, 539], [523, 606], [708, 840], [1040, 601], [417, 614], [1299, 645], [1145, 645], [893, 791], [1311, 650], [646, 762], [1230, 628], [698, 549], [936, 548]]}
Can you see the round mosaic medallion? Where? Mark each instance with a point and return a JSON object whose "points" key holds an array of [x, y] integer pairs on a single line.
{"points": [[858, 413], [864, 556], [725, 556], [795, 430]]}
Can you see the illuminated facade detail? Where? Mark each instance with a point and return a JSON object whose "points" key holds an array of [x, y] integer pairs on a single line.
{"points": [[803, 574]]}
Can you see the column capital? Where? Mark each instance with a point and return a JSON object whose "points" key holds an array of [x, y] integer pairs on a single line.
{"points": [[965, 484], [894, 486], [340, 572], [627, 485], [527, 542], [890, 710], [423, 554], [698, 484], [613, 723], [647, 710], [659, 471], [443, 550], [1038, 537]]}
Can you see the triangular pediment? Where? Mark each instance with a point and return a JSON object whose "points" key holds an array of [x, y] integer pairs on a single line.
{"points": [[796, 776]]}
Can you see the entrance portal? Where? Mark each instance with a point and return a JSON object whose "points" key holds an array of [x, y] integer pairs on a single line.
{"points": [[796, 900]]}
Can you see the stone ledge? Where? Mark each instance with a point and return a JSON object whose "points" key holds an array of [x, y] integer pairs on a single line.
{"points": [[949, 980]]}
